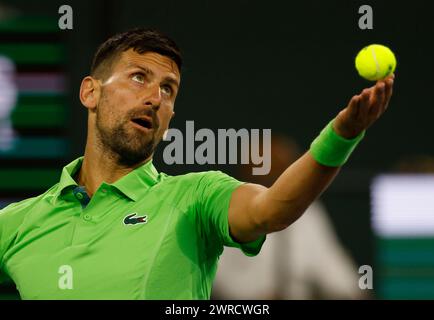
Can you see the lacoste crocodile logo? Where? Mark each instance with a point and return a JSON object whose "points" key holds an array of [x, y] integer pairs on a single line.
{"points": [[132, 219]]}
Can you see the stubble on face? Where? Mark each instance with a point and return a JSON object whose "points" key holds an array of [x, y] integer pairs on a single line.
{"points": [[126, 145], [127, 99]]}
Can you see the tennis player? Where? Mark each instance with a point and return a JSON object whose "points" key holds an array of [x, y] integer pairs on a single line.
{"points": [[114, 227]]}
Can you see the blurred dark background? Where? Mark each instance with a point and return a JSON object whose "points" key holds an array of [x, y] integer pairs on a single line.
{"points": [[284, 65]]}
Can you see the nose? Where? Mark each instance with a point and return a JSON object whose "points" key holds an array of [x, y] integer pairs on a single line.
{"points": [[153, 97]]}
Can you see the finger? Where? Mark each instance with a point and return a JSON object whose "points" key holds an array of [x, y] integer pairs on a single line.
{"points": [[377, 100], [389, 91], [378, 94], [364, 105], [383, 103], [387, 83], [364, 100], [354, 107], [382, 98]]}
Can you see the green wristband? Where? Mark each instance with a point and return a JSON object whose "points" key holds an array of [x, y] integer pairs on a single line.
{"points": [[332, 150]]}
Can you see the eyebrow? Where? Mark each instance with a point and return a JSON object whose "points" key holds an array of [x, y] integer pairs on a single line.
{"points": [[151, 73]]}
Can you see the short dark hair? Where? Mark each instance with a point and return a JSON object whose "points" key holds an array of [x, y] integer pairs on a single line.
{"points": [[141, 40]]}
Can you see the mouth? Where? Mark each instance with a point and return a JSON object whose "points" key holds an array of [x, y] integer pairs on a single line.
{"points": [[143, 123]]}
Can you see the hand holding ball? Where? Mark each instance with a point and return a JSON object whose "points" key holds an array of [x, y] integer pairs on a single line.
{"points": [[375, 62]]}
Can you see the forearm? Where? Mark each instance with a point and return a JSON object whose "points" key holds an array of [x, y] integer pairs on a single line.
{"points": [[255, 210], [292, 193]]}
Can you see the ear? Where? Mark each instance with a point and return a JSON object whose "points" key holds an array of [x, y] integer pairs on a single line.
{"points": [[165, 134], [167, 130], [90, 92]]}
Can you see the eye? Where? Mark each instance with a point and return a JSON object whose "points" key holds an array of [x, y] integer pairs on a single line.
{"points": [[138, 77], [167, 90]]}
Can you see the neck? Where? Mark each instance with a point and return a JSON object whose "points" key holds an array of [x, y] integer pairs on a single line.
{"points": [[101, 165]]}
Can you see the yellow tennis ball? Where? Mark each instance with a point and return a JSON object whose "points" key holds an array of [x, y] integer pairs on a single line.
{"points": [[375, 62]]}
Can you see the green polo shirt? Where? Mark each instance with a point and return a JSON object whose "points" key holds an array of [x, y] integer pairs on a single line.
{"points": [[146, 236]]}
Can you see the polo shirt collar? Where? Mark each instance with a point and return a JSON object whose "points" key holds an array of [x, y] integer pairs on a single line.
{"points": [[140, 179], [66, 179], [131, 185]]}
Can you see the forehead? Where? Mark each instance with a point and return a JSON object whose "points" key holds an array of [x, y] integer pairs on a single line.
{"points": [[152, 60]]}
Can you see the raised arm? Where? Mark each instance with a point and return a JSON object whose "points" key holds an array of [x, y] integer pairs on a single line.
{"points": [[256, 210]]}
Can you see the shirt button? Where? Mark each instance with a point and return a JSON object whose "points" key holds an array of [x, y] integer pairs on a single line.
{"points": [[79, 196], [104, 190], [87, 217]]}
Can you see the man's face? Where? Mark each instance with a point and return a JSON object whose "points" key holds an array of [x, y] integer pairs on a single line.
{"points": [[136, 105]]}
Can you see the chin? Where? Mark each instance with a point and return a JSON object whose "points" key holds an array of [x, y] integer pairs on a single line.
{"points": [[129, 160], [134, 156]]}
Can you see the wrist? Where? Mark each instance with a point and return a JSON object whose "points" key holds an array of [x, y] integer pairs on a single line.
{"points": [[331, 149], [344, 131]]}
